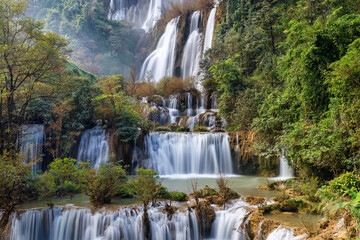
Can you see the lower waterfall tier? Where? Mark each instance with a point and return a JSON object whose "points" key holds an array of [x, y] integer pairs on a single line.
{"points": [[188, 153], [70, 223]]}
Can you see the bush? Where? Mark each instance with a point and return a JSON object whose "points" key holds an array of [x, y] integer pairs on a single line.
{"points": [[162, 129], [201, 129], [145, 186], [173, 126], [292, 205], [346, 182], [178, 196], [63, 178], [340, 186], [183, 129], [104, 183], [163, 193]]}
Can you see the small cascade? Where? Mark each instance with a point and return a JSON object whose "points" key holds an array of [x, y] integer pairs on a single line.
{"points": [[200, 105], [172, 107], [285, 169], [228, 223], [69, 223], [214, 103], [192, 49], [189, 111], [259, 230], [94, 147], [284, 234], [160, 63], [32, 141], [209, 34], [193, 153]]}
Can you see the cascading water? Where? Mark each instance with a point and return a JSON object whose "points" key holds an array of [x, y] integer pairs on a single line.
{"points": [[172, 107], [69, 223], [185, 154], [192, 49], [31, 144], [189, 110], [285, 171], [142, 13], [209, 33], [284, 234], [227, 224], [161, 61], [94, 147]]}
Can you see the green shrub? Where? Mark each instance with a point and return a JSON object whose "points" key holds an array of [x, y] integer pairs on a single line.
{"points": [[63, 178], [346, 182], [183, 129], [163, 193], [173, 126], [340, 186], [104, 183], [201, 129], [162, 129], [178, 196], [292, 205]]}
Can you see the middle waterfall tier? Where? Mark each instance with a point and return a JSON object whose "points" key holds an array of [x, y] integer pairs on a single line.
{"points": [[188, 153]]}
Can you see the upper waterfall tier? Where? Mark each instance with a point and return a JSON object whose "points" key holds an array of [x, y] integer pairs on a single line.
{"points": [[160, 63], [192, 153], [210, 26], [31, 144], [94, 147], [143, 13], [192, 50]]}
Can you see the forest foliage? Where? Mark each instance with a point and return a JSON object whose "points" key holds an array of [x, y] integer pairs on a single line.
{"points": [[289, 70]]}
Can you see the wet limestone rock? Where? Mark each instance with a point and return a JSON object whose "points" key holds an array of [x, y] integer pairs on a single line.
{"points": [[254, 200]]}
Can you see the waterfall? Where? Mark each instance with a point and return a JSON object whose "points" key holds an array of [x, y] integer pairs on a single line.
{"points": [[193, 153], [285, 169], [227, 224], [172, 107], [284, 234], [142, 13], [189, 110], [161, 61], [200, 107], [69, 223], [94, 147], [31, 144], [210, 25], [192, 49]]}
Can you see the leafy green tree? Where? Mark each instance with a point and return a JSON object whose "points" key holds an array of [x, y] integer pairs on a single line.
{"points": [[29, 57], [118, 108], [15, 185], [64, 177], [146, 186], [104, 183]]}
